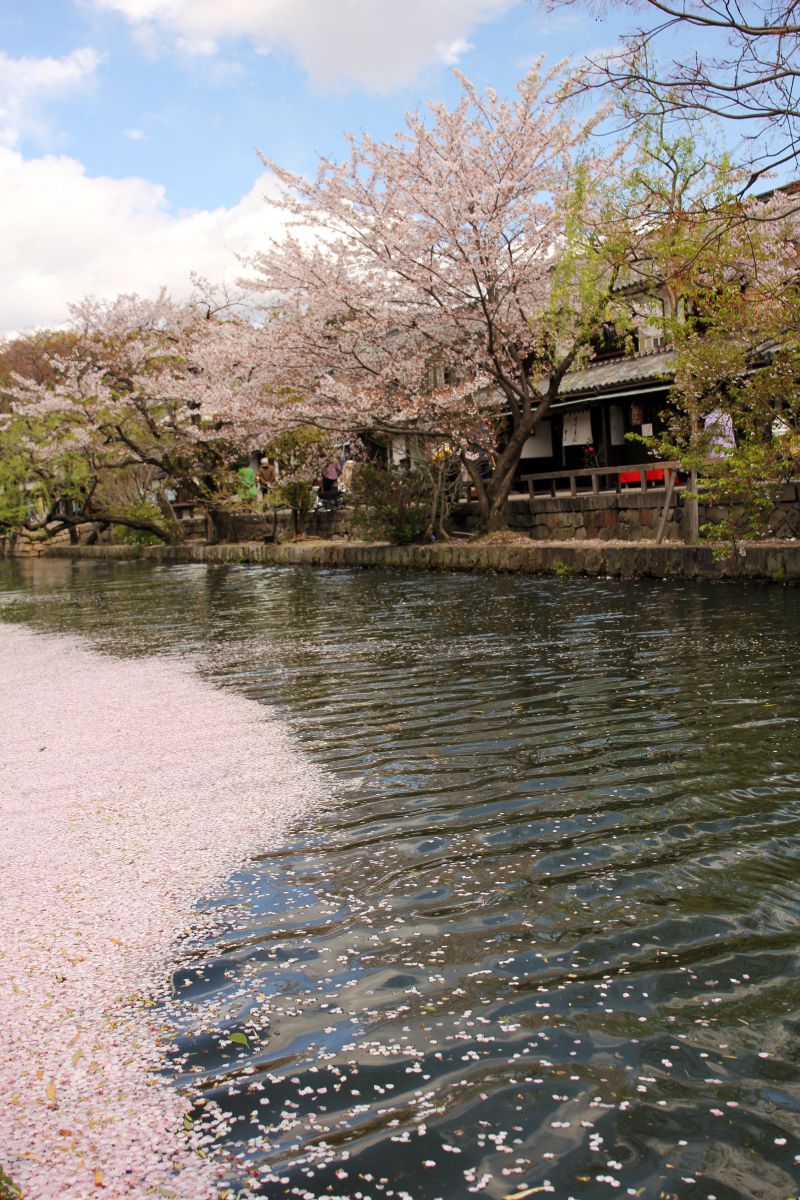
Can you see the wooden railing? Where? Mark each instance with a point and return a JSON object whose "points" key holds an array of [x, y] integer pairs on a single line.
{"points": [[605, 479], [662, 474]]}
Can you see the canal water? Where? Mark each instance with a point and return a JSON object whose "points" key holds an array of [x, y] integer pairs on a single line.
{"points": [[541, 935]]}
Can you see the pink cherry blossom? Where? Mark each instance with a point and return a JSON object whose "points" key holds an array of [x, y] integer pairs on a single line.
{"points": [[128, 790]]}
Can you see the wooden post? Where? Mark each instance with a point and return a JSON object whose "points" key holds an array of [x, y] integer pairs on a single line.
{"points": [[662, 525], [693, 512], [605, 434]]}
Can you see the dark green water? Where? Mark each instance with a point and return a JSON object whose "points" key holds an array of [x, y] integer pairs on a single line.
{"points": [[543, 931]]}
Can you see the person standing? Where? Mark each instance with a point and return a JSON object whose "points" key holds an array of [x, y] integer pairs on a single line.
{"points": [[266, 476]]}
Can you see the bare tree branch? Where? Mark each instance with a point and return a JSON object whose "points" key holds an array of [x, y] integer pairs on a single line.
{"points": [[748, 75]]}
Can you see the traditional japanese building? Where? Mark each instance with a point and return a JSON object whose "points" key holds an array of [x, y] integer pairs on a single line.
{"points": [[600, 404]]}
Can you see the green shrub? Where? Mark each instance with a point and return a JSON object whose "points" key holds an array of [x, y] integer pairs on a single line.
{"points": [[301, 456], [143, 510], [392, 503]]}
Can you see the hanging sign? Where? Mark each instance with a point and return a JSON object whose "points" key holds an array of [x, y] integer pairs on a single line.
{"points": [[577, 428], [540, 443]]}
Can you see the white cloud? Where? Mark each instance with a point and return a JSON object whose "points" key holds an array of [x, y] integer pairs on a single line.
{"points": [[135, 135], [453, 53], [65, 234], [381, 44], [28, 83]]}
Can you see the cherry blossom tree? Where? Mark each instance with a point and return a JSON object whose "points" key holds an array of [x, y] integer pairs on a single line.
{"points": [[171, 393], [445, 282]]}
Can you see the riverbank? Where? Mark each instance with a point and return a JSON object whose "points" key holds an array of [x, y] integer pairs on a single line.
{"points": [[119, 813], [769, 562]]}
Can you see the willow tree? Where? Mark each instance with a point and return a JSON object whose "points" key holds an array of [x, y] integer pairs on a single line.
{"points": [[734, 60], [723, 270]]}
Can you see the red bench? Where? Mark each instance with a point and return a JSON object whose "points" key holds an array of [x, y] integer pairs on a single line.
{"points": [[652, 476]]}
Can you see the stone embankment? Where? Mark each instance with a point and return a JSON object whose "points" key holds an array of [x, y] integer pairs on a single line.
{"points": [[776, 562]]}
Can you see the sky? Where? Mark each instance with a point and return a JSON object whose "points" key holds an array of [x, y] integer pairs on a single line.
{"points": [[129, 129]]}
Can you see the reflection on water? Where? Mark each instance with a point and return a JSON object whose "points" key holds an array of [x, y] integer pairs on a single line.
{"points": [[542, 936]]}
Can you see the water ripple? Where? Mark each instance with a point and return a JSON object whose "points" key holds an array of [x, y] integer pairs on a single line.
{"points": [[543, 937]]}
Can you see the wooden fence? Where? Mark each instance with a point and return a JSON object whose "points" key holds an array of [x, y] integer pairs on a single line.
{"points": [[603, 479]]}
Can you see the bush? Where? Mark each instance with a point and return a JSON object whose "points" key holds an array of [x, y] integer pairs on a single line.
{"points": [[300, 497], [392, 503], [143, 510], [301, 455]]}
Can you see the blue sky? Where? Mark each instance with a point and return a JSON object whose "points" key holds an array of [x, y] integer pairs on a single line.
{"points": [[129, 128]]}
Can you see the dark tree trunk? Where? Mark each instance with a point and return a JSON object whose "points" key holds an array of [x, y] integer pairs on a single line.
{"points": [[94, 533], [170, 516], [102, 521], [299, 519], [493, 493]]}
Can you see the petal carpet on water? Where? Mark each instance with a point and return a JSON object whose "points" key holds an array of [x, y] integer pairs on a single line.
{"points": [[129, 790]]}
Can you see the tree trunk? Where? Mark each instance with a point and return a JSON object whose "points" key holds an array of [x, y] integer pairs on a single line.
{"points": [[498, 519], [480, 490], [170, 516], [434, 519], [499, 486], [493, 495]]}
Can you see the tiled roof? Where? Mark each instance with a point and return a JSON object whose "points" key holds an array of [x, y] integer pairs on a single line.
{"points": [[600, 377]]}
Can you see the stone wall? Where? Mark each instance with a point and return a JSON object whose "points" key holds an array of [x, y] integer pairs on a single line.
{"points": [[784, 521], [620, 560], [22, 546], [630, 516], [234, 527]]}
